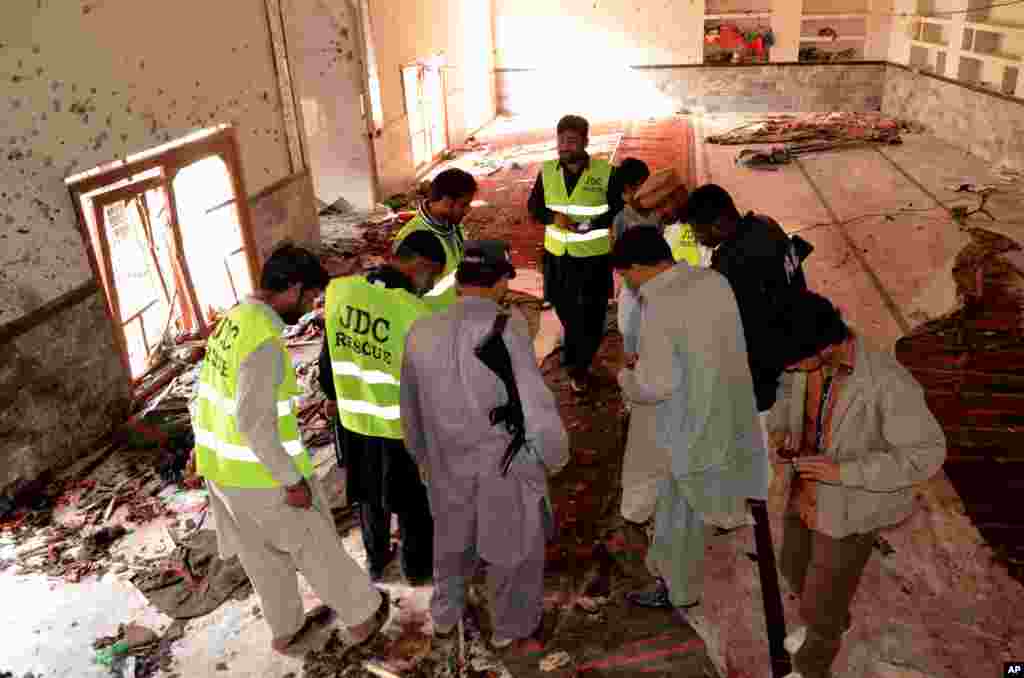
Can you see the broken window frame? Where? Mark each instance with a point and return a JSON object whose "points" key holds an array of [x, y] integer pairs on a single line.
{"points": [[115, 181]]}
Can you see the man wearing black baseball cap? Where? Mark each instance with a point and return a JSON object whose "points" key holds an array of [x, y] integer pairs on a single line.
{"points": [[486, 264], [483, 508]]}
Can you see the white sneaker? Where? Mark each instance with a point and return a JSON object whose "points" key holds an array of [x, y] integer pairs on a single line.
{"points": [[795, 640]]}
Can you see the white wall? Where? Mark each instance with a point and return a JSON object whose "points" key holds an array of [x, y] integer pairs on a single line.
{"points": [[87, 82], [327, 66], [406, 30], [541, 33]]}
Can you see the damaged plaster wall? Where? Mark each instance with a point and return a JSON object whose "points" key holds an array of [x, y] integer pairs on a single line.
{"points": [[285, 210], [740, 89], [84, 83], [988, 126], [87, 82], [47, 375], [406, 31], [326, 57]]}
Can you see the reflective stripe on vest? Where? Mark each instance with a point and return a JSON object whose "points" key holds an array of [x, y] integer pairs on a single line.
{"points": [[589, 199], [566, 236], [230, 407], [579, 210], [442, 285], [387, 413], [222, 453], [443, 294], [366, 329], [240, 452], [344, 369]]}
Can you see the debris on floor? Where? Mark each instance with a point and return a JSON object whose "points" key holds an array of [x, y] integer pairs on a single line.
{"points": [[193, 581], [137, 651], [819, 127], [555, 661], [764, 160]]}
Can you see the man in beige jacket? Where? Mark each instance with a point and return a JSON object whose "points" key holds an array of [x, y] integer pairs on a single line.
{"points": [[856, 434]]}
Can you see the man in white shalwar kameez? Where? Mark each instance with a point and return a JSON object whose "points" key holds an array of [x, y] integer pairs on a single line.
{"points": [[692, 368]]}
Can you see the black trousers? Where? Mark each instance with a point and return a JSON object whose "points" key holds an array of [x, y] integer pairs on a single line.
{"points": [[579, 289], [384, 480]]}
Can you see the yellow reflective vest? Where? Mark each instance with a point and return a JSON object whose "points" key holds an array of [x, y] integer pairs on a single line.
{"points": [[443, 293], [589, 200], [222, 453], [684, 245], [367, 324]]}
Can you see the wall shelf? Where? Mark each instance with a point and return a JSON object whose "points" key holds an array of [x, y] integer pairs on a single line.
{"points": [[943, 21], [930, 45], [825, 38], [995, 28], [983, 48], [1010, 59], [833, 17], [796, 28], [737, 15]]}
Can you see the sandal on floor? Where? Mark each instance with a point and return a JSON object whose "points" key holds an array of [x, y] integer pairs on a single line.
{"points": [[379, 618], [318, 617]]}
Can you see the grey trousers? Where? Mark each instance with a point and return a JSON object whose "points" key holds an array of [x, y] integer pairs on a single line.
{"points": [[516, 592], [825, 573], [273, 539]]}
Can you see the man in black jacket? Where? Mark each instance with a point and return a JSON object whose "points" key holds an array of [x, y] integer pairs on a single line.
{"points": [[763, 266]]}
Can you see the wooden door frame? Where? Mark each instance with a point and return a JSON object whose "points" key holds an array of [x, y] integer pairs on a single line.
{"points": [[443, 77]]}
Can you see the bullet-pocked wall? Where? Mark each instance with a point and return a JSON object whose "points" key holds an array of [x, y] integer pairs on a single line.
{"points": [[84, 83], [327, 65], [406, 30]]}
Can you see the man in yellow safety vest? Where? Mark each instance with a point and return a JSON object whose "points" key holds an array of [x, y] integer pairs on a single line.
{"points": [[572, 201], [368, 317], [268, 506], [451, 193]]}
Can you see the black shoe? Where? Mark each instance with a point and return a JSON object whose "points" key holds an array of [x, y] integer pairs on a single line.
{"points": [[377, 571], [425, 580], [658, 598]]}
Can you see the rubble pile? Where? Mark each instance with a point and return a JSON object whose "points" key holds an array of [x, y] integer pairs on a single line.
{"points": [[137, 651], [72, 534], [834, 128]]}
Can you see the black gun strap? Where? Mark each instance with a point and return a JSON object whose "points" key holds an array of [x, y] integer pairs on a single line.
{"points": [[500, 321]]}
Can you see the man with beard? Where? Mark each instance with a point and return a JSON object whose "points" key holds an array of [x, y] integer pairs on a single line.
{"points": [[451, 193], [368, 317], [571, 198], [267, 503]]}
